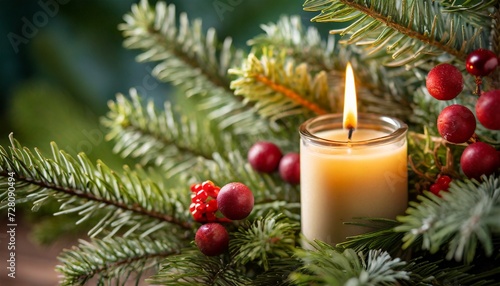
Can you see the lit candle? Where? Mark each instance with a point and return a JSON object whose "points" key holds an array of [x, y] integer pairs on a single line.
{"points": [[351, 166]]}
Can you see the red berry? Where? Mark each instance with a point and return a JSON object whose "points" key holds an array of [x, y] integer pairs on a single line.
{"points": [[210, 217], [212, 239], [488, 109], [198, 216], [235, 201], [481, 62], [195, 188], [211, 206], [444, 181], [444, 82], [208, 186], [441, 185], [264, 156], [479, 159], [201, 195], [437, 188], [200, 207], [289, 168], [456, 123]]}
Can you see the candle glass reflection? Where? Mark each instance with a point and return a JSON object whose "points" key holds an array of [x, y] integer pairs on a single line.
{"points": [[342, 180]]}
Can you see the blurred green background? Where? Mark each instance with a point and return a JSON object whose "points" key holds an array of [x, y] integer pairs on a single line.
{"points": [[62, 60]]}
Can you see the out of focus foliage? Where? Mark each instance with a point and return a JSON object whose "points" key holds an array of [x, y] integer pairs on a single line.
{"points": [[62, 60]]}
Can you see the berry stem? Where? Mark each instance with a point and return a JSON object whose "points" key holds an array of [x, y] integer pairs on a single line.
{"points": [[473, 139], [479, 82], [417, 171]]}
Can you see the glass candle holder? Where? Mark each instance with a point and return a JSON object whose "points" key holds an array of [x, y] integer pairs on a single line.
{"points": [[345, 179]]}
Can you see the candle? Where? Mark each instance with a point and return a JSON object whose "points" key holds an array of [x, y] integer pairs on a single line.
{"points": [[351, 166]]}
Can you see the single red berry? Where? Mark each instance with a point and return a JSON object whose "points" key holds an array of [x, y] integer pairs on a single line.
{"points": [[264, 156], [208, 186], [444, 181], [481, 62], [444, 82], [289, 168], [210, 217], [213, 192], [437, 188], [200, 207], [202, 195], [212, 239], [235, 201], [442, 184], [479, 159], [211, 206], [456, 123], [195, 188], [198, 216], [488, 109]]}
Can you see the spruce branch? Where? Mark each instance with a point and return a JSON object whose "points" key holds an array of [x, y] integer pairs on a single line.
{"points": [[382, 236], [495, 44], [278, 273], [162, 138], [380, 90], [326, 265], [112, 261], [121, 201], [447, 27], [194, 62], [281, 89], [183, 46], [271, 237], [303, 44], [439, 272], [191, 268], [434, 223]]}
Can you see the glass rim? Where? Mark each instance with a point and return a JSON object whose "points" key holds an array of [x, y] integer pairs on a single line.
{"points": [[394, 127]]}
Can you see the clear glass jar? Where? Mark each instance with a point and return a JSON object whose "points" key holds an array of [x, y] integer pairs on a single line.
{"points": [[342, 179]]}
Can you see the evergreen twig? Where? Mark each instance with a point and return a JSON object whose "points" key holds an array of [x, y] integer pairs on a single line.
{"points": [[446, 27], [164, 138], [90, 190], [326, 265], [192, 61], [112, 260], [279, 88], [272, 237], [437, 222]]}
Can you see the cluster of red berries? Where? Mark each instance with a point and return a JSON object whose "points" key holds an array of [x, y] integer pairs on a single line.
{"points": [[204, 201], [234, 201], [266, 157], [442, 184], [456, 123]]}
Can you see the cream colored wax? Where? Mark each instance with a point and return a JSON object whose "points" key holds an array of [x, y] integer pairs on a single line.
{"points": [[342, 183]]}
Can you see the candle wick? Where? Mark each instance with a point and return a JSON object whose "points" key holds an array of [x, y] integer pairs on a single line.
{"points": [[349, 135]]}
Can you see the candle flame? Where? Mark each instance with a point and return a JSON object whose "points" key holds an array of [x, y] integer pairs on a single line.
{"points": [[350, 121]]}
